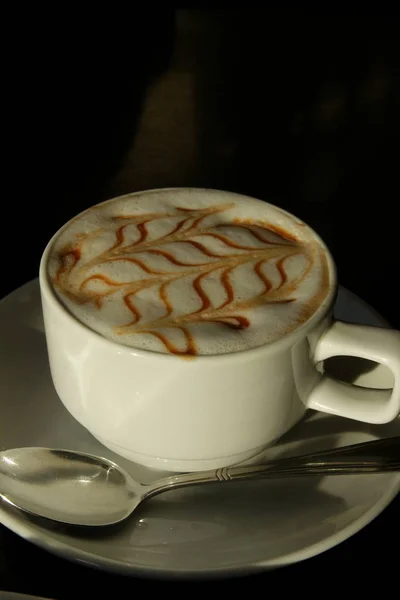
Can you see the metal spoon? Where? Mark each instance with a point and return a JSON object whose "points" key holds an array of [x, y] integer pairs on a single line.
{"points": [[82, 489]]}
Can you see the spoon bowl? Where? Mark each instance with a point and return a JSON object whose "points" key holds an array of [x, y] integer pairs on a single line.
{"points": [[67, 486], [82, 489]]}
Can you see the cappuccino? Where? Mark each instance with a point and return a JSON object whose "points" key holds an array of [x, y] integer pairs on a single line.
{"points": [[189, 272]]}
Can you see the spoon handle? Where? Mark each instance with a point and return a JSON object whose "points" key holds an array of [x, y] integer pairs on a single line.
{"points": [[379, 456]]}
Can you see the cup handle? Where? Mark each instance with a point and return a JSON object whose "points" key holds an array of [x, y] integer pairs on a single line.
{"points": [[361, 404]]}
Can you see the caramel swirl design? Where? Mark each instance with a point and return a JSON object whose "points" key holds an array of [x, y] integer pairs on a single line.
{"points": [[137, 261]]}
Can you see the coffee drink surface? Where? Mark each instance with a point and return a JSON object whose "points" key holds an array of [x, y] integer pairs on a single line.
{"points": [[189, 272]]}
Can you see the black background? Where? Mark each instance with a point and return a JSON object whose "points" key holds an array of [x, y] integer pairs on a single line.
{"points": [[297, 107]]}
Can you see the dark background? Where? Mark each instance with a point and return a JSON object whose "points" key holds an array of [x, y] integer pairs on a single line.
{"points": [[297, 107]]}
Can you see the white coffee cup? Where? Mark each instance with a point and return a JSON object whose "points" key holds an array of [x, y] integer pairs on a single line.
{"points": [[168, 413]]}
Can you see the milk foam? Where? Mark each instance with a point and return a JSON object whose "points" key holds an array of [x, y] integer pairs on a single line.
{"points": [[189, 271]]}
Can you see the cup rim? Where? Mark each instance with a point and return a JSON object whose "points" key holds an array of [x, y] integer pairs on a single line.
{"points": [[274, 346]]}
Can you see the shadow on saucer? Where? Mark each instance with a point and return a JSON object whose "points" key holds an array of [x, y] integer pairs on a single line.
{"points": [[348, 368], [228, 522]]}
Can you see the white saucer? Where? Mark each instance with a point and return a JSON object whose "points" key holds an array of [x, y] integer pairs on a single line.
{"points": [[208, 531]]}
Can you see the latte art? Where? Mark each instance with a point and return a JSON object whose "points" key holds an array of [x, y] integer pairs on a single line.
{"points": [[188, 273]]}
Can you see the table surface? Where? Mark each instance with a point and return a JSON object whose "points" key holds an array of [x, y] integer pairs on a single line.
{"points": [[315, 133]]}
